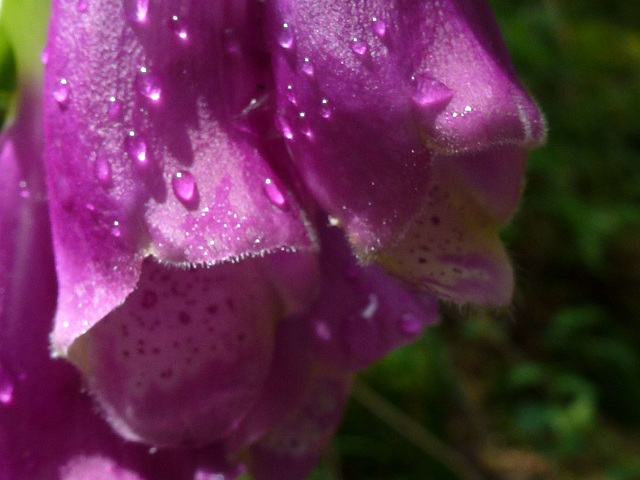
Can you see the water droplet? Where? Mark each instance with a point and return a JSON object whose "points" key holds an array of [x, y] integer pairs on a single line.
{"points": [[82, 5], [137, 149], [307, 67], [303, 124], [24, 190], [291, 95], [359, 47], [7, 385], [61, 93], [325, 110], [322, 331], [274, 193], [285, 128], [379, 27], [429, 91], [148, 85], [371, 308], [286, 36], [410, 324], [102, 171], [114, 110], [184, 186], [115, 230], [136, 10], [179, 28]]}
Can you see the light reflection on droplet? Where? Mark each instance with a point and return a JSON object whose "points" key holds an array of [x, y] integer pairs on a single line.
{"points": [[137, 149], [286, 36], [148, 85], [359, 47], [184, 186], [61, 93], [307, 67], [273, 192], [114, 110], [379, 27], [179, 28], [102, 171]]}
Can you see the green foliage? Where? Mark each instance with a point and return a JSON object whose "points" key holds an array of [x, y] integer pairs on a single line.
{"points": [[7, 76]]}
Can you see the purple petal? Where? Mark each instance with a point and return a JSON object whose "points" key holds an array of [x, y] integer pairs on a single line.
{"points": [[184, 359], [452, 247], [361, 313], [366, 96], [291, 450], [147, 148], [48, 428]]}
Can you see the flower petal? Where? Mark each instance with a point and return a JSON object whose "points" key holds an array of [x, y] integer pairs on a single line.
{"points": [[146, 147], [361, 313], [185, 357], [367, 95], [452, 247], [48, 428], [291, 450]]}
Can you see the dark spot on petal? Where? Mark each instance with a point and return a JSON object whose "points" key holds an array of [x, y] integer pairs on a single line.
{"points": [[212, 309], [435, 220], [229, 303], [149, 299], [184, 318], [422, 260]]}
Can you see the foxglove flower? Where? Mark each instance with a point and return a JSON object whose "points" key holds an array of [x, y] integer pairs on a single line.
{"points": [[244, 199]]}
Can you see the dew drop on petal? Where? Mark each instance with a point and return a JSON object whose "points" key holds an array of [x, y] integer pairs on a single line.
{"points": [[7, 385], [82, 5], [409, 324], [179, 28], [285, 128], [303, 124], [274, 193], [148, 85], [285, 39], [137, 149], [102, 171], [115, 229], [291, 95], [114, 110], [325, 110], [61, 93], [429, 91], [307, 67], [184, 186], [359, 47], [378, 27]]}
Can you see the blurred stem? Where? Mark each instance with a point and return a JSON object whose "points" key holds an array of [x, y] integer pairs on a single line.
{"points": [[413, 431]]}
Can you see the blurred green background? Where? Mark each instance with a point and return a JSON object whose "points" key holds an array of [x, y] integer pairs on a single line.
{"points": [[550, 387]]}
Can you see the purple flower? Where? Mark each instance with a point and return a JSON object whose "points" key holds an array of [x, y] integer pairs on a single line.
{"points": [[249, 201]]}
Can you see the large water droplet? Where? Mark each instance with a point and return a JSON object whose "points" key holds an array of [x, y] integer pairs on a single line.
{"points": [[184, 186], [102, 171], [82, 5], [61, 93], [285, 39], [7, 385], [179, 28], [307, 67], [116, 231], [378, 27], [114, 110], [136, 10], [409, 324], [430, 92], [359, 47], [24, 189], [274, 193], [148, 85], [137, 149]]}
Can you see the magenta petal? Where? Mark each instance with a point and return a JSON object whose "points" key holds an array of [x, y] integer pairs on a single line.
{"points": [[147, 151], [361, 313], [291, 449], [48, 428], [366, 95], [186, 356], [452, 247]]}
